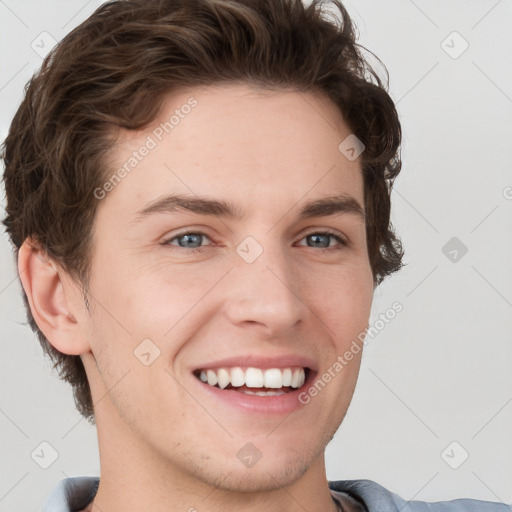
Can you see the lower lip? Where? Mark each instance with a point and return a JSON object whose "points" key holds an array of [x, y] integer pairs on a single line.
{"points": [[268, 405]]}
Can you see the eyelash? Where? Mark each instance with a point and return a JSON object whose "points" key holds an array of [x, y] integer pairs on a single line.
{"points": [[338, 238]]}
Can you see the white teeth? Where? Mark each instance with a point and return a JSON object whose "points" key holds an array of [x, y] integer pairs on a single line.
{"points": [[237, 377], [296, 379], [254, 378], [275, 378], [264, 393], [223, 378], [212, 377]]}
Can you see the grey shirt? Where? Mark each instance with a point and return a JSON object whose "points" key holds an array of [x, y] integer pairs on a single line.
{"points": [[75, 493]]}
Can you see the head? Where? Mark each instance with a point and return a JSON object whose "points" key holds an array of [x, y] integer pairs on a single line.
{"points": [[243, 102]]}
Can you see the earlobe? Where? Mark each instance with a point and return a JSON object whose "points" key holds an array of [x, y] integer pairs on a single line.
{"points": [[49, 304]]}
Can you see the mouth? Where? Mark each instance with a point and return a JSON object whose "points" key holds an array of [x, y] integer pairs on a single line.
{"points": [[255, 381], [263, 385]]}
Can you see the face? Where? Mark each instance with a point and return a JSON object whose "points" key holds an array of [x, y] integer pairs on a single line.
{"points": [[256, 289]]}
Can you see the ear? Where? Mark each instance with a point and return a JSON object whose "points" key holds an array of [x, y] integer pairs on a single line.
{"points": [[54, 300]]}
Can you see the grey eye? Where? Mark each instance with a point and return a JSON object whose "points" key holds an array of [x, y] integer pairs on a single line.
{"points": [[190, 240], [320, 240]]}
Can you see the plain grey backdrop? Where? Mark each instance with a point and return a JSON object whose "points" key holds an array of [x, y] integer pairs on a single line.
{"points": [[431, 417]]}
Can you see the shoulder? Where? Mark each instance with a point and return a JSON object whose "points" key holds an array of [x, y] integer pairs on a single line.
{"points": [[377, 498], [70, 494]]}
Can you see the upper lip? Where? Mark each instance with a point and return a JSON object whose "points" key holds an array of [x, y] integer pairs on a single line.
{"points": [[264, 362]]}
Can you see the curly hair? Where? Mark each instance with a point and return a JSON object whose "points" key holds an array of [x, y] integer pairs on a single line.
{"points": [[114, 71]]}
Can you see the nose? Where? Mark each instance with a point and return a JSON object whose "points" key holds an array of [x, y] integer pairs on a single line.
{"points": [[266, 293]]}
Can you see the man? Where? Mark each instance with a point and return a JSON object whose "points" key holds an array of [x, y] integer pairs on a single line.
{"points": [[199, 196]]}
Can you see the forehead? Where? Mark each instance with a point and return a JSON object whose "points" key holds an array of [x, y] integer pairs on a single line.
{"points": [[236, 140]]}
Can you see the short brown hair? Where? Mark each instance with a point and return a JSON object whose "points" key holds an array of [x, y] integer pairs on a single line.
{"points": [[114, 70]]}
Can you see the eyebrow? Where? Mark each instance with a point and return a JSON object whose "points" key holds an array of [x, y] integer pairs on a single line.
{"points": [[340, 204]]}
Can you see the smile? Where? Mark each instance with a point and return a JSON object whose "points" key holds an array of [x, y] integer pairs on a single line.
{"points": [[255, 381]]}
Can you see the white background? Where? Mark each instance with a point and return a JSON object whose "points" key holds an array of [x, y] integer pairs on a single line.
{"points": [[441, 370]]}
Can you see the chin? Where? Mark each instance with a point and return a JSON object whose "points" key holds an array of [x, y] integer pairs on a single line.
{"points": [[274, 470], [263, 477]]}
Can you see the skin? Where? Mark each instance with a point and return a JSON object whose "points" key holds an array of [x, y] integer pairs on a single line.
{"points": [[165, 444]]}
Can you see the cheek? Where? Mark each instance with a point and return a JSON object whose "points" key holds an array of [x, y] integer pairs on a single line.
{"points": [[343, 302], [149, 295]]}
